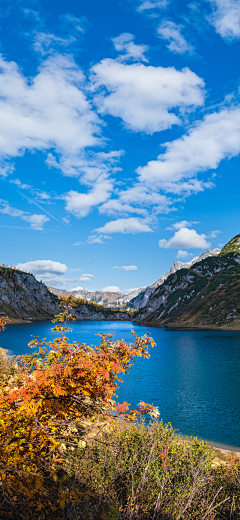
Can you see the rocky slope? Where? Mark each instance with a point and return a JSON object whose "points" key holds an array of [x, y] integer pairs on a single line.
{"points": [[23, 297], [142, 298], [105, 298], [205, 295]]}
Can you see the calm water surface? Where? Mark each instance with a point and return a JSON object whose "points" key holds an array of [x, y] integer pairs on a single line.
{"points": [[192, 376]]}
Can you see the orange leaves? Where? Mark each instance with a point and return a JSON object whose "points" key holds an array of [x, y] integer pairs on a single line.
{"points": [[55, 392], [3, 321]]}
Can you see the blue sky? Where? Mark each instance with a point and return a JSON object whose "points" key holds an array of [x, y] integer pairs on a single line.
{"points": [[119, 136]]}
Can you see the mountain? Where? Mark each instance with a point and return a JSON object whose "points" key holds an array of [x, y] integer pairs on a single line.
{"points": [[142, 298], [105, 298], [233, 246], [22, 297], [205, 295]]}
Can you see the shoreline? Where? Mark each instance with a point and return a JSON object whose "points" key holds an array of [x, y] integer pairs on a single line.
{"points": [[225, 449]]}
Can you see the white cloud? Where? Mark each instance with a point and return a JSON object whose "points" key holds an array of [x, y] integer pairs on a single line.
{"points": [[46, 42], [215, 233], [36, 221], [111, 288], [126, 267], [79, 288], [48, 111], [181, 224], [19, 184], [147, 5], [116, 207], [43, 266], [147, 197], [207, 143], [90, 167], [125, 225], [185, 238], [171, 32], [80, 204], [226, 18], [146, 98], [86, 278], [52, 273], [182, 254], [97, 239], [125, 44]]}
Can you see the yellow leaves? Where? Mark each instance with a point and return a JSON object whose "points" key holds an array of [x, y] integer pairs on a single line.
{"points": [[58, 393]]}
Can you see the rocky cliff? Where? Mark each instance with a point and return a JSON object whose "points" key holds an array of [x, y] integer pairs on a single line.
{"points": [[205, 295], [23, 297]]}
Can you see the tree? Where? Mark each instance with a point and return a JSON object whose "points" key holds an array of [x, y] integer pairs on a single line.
{"points": [[50, 399]]}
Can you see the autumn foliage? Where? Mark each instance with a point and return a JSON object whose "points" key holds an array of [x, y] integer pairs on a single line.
{"points": [[50, 400]]}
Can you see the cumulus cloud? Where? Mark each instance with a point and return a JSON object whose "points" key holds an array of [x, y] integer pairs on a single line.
{"points": [[43, 266], [48, 111], [171, 32], [126, 267], [125, 44], [80, 204], [111, 288], [207, 143], [148, 99], [185, 238], [226, 18], [125, 225], [52, 273], [36, 221]]}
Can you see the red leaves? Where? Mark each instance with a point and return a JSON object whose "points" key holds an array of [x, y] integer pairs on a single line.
{"points": [[72, 380], [122, 408], [3, 321]]}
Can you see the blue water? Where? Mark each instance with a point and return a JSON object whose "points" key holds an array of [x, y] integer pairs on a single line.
{"points": [[192, 376]]}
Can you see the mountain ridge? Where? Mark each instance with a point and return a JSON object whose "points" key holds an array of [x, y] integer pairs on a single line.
{"points": [[205, 296]]}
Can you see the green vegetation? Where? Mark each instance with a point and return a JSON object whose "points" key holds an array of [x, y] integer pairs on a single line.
{"points": [[208, 294], [137, 473], [233, 246]]}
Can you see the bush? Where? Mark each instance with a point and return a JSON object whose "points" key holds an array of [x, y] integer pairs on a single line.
{"points": [[69, 452]]}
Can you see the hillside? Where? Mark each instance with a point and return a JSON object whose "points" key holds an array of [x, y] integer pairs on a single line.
{"points": [[22, 297], [206, 295], [233, 246], [142, 298]]}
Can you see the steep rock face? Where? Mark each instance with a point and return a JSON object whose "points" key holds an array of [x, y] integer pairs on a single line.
{"points": [[141, 300], [22, 296], [206, 295]]}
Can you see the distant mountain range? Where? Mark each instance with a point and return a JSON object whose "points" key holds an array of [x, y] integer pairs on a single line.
{"points": [[22, 297], [107, 299], [136, 299], [204, 292]]}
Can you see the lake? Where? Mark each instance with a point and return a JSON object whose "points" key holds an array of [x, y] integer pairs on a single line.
{"points": [[192, 376]]}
